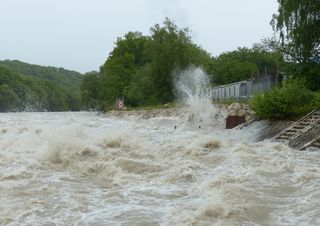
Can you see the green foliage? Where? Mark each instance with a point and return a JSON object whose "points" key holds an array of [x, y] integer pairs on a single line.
{"points": [[73, 100], [140, 68], [89, 91], [316, 100], [310, 72], [123, 62], [170, 48], [66, 78], [24, 93], [244, 63], [141, 90], [9, 101], [288, 102], [298, 24]]}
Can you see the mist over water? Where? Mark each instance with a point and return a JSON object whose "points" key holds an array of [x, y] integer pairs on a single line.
{"points": [[89, 169]]}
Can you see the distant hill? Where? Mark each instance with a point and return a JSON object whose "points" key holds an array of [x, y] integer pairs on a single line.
{"points": [[28, 87], [66, 78]]}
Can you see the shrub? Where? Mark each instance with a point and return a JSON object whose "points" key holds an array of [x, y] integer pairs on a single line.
{"points": [[290, 101]]}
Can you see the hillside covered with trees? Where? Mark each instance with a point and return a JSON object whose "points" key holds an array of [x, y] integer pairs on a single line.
{"points": [[26, 87], [67, 78]]}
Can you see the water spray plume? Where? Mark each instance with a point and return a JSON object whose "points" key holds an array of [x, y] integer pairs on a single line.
{"points": [[192, 88]]}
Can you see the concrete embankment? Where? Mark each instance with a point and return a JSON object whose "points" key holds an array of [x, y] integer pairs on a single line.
{"points": [[242, 116]]}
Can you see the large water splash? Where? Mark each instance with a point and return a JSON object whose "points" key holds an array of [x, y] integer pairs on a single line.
{"points": [[192, 88]]}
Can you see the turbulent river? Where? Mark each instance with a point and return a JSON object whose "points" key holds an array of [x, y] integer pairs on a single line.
{"points": [[90, 169]]}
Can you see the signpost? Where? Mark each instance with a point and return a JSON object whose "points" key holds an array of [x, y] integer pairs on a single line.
{"points": [[120, 103]]}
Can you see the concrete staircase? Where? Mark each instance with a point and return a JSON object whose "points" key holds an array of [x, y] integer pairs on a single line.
{"points": [[302, 132]]}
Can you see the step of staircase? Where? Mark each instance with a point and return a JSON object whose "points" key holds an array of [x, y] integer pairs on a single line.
{"points": [[315, 143], [298, 130]]}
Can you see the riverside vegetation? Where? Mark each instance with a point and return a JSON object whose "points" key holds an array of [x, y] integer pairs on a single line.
{"points": [[141, 68]]}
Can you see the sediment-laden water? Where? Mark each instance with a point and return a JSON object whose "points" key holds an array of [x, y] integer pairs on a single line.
{"points": [[89, 169]]}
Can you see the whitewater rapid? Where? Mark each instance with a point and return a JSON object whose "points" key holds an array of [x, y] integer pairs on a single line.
{"points": [[89, 169]]}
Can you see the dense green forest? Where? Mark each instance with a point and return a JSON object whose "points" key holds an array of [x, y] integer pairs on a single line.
{"points": [[61, 76], [26, 87], [141, 68]]}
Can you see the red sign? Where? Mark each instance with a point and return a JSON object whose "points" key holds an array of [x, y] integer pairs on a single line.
{"points": [[120, 103]]}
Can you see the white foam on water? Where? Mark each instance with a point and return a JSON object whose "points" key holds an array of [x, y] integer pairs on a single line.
{"points": [[88, 169]]}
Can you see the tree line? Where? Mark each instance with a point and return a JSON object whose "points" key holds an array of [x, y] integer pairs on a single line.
{"points": [[140, 68], [47, 91], [297, 24], [66, 78]]}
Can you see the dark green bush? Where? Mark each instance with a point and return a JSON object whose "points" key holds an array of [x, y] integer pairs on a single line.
{"points": [[290, 101]]}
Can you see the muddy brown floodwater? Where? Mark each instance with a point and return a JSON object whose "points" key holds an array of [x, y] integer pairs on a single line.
{"points": [[89, 169]]}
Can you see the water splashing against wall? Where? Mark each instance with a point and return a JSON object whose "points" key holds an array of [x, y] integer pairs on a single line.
{"points": [[192, 88]]}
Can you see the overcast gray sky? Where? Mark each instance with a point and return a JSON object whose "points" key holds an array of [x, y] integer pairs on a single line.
{"points": [[79, 34]]}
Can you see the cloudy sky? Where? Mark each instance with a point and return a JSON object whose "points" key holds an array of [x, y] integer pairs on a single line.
{"points": [[79, 34]]}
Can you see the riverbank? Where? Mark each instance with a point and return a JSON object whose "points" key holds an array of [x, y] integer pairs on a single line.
{"points": [[147, 114], [263, 129]]}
